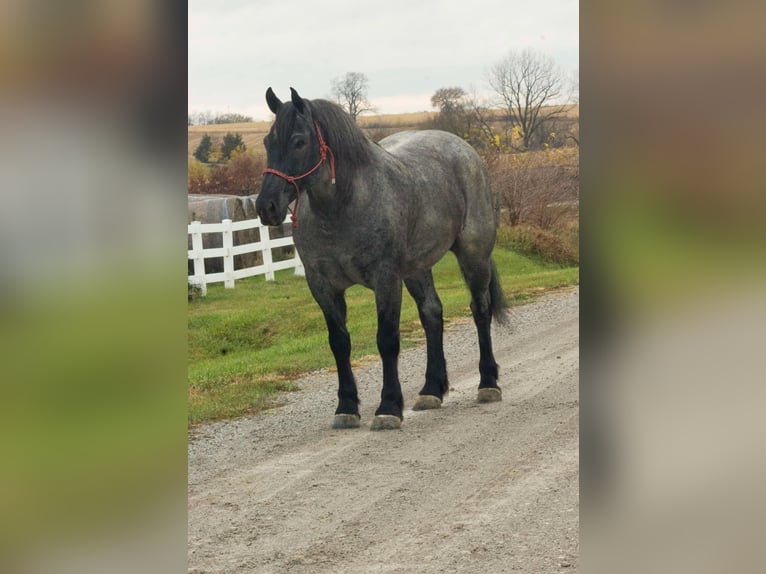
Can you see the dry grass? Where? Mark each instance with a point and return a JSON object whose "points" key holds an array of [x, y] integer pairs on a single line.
{"points": [[560, 245], [400, 121]]}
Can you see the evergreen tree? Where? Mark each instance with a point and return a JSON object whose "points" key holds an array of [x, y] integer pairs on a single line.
{"points": [[202, 153], [230, 143]]}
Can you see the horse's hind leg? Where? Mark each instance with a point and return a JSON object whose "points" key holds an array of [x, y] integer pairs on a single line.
{"points": [[478, 273], [430, 310]]}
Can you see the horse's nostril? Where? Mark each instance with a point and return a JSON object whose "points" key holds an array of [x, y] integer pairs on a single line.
{"points": [[271, 207]]}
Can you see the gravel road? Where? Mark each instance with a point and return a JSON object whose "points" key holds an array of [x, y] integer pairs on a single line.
{"points": [[466, 488]]}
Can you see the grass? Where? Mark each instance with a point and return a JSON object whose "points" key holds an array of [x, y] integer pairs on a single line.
{"points": [[246, 344]]}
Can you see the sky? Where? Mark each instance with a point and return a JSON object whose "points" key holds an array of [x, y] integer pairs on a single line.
{"points": [[408, 49]]}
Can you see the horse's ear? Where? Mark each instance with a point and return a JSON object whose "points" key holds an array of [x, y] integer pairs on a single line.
{"points": [[298, 101], [273, 101]]}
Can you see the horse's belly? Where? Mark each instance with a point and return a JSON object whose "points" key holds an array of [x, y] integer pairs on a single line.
{"points": [[425, 255]]}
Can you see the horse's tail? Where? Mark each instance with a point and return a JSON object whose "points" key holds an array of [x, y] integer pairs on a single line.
{"points": [[497, 303]]}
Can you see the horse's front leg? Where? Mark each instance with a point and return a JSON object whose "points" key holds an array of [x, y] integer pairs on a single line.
{"points": [[388, 299], [334, 308]]}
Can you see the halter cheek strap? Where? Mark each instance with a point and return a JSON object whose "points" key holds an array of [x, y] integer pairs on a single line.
{"points": [[324, 151]]}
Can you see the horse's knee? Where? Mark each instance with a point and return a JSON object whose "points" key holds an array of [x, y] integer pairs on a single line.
{"points": [[431, 311], [388, 336], [340, 343], [388, 342]]}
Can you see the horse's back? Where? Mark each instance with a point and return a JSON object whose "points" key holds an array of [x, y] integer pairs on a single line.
{"points": [[424, 145], [451, 186]]}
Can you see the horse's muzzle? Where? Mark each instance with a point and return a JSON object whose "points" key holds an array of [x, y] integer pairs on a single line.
{"points": [[268, 212]]}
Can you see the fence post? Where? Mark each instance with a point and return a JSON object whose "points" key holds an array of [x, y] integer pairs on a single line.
{"points": [[268, 262], [199, 257], [228, 258]]}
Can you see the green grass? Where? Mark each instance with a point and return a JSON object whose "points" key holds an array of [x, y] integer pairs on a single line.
{"points": [[246, 344]]}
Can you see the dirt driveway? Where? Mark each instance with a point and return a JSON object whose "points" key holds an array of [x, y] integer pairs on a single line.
{"points": [[467, 488]]}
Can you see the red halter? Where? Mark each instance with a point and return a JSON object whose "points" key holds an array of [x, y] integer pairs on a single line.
{"points": [[324, 149]]}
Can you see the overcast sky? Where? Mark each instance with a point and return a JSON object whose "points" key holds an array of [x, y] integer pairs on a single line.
{"points": [[407, 48]]}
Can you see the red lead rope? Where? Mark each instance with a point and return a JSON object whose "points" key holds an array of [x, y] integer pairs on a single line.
{"points": [[324, 149]]}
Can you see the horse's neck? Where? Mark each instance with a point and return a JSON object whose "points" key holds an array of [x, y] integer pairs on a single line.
{"points": [[354, 185]]}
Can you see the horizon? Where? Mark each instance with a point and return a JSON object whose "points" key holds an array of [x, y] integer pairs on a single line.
{"points": [[371, 114]]}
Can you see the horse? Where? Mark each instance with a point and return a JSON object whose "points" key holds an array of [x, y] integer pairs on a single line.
{"points": [[379, 215]]}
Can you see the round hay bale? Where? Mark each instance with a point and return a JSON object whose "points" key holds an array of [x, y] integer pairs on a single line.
{"points": [[214, 209]]}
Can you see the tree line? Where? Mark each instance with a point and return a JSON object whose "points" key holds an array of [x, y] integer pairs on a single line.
{"points": [[206, 118]]}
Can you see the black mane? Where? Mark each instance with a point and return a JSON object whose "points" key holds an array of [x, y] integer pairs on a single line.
{"points": [[350, 146]]}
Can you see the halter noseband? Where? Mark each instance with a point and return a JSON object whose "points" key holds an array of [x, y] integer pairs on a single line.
{"points": [[324, 149]]}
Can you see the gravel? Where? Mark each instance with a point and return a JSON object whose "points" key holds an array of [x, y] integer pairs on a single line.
{"points": [[468, 487]]}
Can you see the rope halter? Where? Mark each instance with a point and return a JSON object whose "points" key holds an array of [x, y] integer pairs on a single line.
{"points": [[324, 151]]}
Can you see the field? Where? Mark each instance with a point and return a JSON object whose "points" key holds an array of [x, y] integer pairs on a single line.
{"points": [[375, 125], [253, 132]]}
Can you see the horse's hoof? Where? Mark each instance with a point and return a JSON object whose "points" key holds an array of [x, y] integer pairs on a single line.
{"points": [[343, 421], [427, 402], [489, 395], [386, 422]]}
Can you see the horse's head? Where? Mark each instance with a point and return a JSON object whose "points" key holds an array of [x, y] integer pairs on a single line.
{"points": [[294, 154]]}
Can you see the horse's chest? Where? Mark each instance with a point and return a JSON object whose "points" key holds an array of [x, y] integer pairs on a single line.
{"points": [[340, 261]]}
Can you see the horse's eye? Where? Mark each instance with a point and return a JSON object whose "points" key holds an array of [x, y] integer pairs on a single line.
{"points": [[300, 144]]}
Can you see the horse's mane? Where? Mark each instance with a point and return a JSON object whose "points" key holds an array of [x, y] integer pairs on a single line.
{"points": [[350, 146]]}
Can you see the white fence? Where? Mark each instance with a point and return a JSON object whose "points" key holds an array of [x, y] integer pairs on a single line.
{"points": [[228, 250]]}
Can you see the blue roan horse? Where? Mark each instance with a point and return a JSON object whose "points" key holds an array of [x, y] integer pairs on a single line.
{"points": [[395, 209]]}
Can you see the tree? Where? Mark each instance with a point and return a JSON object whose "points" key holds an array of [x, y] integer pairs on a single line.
{"points": [[531, 87], [453, 116], [202, 153], [449, 100], [350, 92], [231, 142]]}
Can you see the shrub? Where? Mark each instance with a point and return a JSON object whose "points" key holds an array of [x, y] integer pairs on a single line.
{"points": [[536, 188], [244, 172], [241, 175], [198, 178]]}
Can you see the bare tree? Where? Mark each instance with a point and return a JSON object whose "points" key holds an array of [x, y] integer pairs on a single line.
{"points": [[350, 91], [531, 87], [482, 134]]}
